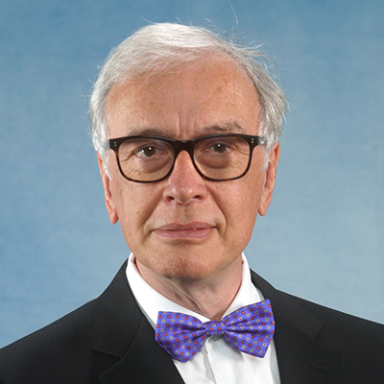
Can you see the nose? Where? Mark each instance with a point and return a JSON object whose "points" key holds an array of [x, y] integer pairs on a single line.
{"points": [[184, 184]]}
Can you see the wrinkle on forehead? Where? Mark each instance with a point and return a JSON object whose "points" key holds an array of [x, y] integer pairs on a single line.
{"points": [[212, 85]]}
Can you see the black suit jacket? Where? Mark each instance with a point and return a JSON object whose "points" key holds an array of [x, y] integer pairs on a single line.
{"points": [[110, 341]]}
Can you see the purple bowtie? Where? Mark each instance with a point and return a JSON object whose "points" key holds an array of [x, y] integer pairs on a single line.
{"points": [[249, 329]]}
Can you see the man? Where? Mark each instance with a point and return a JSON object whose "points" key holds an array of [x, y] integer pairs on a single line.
{"points": [[186, 127]]}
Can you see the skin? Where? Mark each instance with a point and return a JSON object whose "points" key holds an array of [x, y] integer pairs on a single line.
{"points": [[186, 233]]}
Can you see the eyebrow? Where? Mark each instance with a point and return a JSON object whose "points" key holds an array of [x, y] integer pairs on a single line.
{"points": [[226, 127], [147, 132]]}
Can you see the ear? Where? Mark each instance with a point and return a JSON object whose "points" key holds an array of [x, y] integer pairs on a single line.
{"points": [[270, 176], [111, 208]]}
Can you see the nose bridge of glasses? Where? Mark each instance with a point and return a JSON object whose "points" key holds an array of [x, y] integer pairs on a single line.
{"points": [[185, 145]]}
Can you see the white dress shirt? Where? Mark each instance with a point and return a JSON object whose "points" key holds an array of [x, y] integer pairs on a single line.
{"points": [[216, 362]]}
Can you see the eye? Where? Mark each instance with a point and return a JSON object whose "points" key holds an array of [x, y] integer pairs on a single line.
{"points": [[148, 151], [216, 146], [219, 147]]}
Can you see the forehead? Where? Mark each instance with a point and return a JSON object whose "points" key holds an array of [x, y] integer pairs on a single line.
{"points": [[204, 95]]}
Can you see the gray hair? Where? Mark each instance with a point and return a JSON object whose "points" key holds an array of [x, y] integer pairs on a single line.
{"points": [[160, 48]]}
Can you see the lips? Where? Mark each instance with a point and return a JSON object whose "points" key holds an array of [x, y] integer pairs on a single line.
{"points": [[190, 231]]}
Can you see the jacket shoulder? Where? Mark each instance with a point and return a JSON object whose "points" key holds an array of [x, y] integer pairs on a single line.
{"points": [[358, 344], [60, 350], [347, 329]]}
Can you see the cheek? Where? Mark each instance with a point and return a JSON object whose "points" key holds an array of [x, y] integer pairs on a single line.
{"points": [[240, 203], [239, 206], [137, 204]]}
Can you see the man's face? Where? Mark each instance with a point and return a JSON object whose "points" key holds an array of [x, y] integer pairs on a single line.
{"points": [[185, 227]]}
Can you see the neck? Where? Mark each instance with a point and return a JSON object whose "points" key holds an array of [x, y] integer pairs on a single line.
{"points": [[209, 296]]}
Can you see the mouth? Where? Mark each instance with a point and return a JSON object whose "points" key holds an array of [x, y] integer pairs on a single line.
{"points": [[192, 231]]}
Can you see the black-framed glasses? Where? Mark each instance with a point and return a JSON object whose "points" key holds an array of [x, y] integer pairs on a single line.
{"points": [[148, 159]]}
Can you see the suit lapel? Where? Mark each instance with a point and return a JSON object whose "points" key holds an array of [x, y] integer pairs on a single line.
{"points": [[144, 362], [122, 331], [301, 359]]}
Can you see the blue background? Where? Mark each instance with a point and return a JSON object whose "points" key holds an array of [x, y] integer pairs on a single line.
{"points": [[323, 236]]}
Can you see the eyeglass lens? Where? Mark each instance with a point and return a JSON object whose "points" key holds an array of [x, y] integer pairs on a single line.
{"points": [[218, 158]]}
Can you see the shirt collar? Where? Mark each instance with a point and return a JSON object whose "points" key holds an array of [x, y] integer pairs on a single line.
{"points": [[151, 302]]}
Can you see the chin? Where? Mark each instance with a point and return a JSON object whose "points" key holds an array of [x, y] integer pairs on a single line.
{"points": [[171, 265], [189, 268]]}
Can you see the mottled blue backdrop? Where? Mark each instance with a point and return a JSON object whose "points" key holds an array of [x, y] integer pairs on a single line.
{"points": [[323, 236]]}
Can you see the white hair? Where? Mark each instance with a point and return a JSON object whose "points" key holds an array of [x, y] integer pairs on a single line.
{"points": [[161, 48]]}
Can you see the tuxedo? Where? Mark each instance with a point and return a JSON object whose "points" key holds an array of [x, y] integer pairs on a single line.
{"points": [[109, 340]]}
